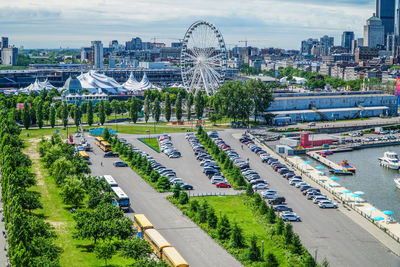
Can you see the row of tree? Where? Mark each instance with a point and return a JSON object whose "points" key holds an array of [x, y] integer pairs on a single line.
{"points": [[30, 238], [98, 219]]}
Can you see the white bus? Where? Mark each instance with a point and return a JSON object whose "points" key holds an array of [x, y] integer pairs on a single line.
{"points": [[122, 199], [110, 180]]}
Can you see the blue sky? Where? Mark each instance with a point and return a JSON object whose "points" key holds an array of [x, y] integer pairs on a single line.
{"points": [[265, 23]]}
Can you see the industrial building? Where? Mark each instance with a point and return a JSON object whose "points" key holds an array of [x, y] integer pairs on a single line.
{"points": [[303, 107]]}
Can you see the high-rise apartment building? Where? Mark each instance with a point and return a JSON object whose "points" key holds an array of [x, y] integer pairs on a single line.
{"points": [[386, 10], [97, 54], [347, 38], [374, 32], [327, 42], [307, 45]]}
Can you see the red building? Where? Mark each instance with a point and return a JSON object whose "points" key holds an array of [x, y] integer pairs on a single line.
{"points": [[306, 142]]}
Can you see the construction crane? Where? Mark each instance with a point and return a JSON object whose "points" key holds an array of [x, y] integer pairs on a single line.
{"points": [[246, 41]]}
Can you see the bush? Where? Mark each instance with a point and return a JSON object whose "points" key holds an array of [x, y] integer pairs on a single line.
{"points": [[177, 191], [253, 252], [194, 205], [223, 228], [249, 190], [212, 219], [237, 239], [271, 260], [163, 183], [183, 198]]}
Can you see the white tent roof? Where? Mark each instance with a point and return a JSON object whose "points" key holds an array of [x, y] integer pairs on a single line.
{"points": [[37, 86], [93, 81], [138, 87]]}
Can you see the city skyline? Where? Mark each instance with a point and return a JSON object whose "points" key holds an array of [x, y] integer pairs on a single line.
{"points": [[284, 24]]}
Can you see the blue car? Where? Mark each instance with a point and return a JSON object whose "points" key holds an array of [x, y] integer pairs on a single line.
{"points": [[120, 164]]}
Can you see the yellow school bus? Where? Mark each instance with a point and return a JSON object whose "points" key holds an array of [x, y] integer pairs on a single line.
{"points": [[156, 241], [173, 258], [98, 140], [142, 223], [84, 155], [105, 146]]}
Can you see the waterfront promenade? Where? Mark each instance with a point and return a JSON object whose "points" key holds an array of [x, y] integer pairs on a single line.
{"points": [[357, 210]]}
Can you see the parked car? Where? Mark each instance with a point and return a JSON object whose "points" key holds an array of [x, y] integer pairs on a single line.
{"points": [[277, 200], [327, 204], [260, 186], [110, 154], [290, 217], [120, 164], [187, 187], [318, 199], [281, 208], [223, 185], [294, 181]]}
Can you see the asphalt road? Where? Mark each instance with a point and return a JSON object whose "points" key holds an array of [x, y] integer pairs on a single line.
{"points": [[195, 245], [186, 167], [330, 232]]}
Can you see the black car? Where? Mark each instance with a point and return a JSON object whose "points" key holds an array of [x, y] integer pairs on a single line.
{"points": [[110, 154], [281, 208], [277, 201], [305, 187], [120, 164], [187, 187]]}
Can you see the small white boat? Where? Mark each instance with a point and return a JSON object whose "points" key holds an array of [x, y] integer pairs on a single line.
{"points": [[390, 160], [397, 182]]}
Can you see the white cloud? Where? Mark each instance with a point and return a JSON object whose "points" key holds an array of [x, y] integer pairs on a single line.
{"points": [[75, 23]]}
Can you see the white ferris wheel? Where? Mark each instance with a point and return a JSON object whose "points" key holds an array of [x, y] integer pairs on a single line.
{"points": [[203, 58]]}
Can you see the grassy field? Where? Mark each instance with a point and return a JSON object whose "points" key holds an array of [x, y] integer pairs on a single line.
{"points": [[128, 129], [152, 143], [75, 252], [238, 209]]}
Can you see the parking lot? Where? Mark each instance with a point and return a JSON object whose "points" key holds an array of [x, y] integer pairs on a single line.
{"points": [[193, 243], [329, 231], [186, 167]]}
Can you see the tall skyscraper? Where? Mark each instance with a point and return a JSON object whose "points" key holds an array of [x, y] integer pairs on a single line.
{"points": [[4, 42], [97, 54], [374, 32], [347, 38], [397, 19], [385, 10], [327, 42]]}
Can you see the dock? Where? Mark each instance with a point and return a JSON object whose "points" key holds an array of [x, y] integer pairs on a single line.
{"points": [[324, 161]]}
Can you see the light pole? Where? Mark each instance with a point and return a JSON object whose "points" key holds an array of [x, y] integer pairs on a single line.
{"points": [[262, 250]]}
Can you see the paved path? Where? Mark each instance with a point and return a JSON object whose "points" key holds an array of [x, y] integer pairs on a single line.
{"points": [[195, 245], [336, 237], [3, 242]]}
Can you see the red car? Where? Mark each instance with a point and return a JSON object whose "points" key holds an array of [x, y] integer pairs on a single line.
{"points": [[223, 185]]}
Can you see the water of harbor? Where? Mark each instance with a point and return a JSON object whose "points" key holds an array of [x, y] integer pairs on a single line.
{"points": [[372, 179]]}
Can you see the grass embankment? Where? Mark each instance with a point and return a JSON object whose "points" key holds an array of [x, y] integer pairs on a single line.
{"points": [[151, 142], [75, 252], [241, 209]]}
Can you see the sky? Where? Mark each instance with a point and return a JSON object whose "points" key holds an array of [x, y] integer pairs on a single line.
{"points": [[264, 23]]}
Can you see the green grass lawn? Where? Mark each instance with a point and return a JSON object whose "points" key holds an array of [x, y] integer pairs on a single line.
{"points": [[152, 143], [238, 209], [75, 252]]}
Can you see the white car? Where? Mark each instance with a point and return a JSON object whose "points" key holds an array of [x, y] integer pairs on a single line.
{"points": [[327, 204], [294, 181], [299, 184], [319, 199], [260, 186]]}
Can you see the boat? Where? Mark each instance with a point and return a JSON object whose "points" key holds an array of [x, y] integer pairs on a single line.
{"points": [[341, 172], [397, 182], [390, 160], [346, 166], [328, 152]]}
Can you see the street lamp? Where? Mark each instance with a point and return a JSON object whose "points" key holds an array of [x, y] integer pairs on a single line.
{"points": [[262, 250]]}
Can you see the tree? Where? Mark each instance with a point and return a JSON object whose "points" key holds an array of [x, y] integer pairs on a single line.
{"points": [[212, 219], [77, 114], [52, 117], [134, 109], [271, 216], [237, 239], [26, 116], [189, 104], [65, 115], [115, 107], [73, 191], [309, 262], [147, 108], [30, 200], [178, 107], [84, 107], [39, 114], [296, 246], [253, 252], [106, 134], [107, 108], [105, 250], [90, 113], [199, 105], [271, 260], [167, 108], [183, 198], [288, 233], [261, 96], [177, 191], [223, 228], [249, 190], [136, 248], [163, 183], [280, 226], [156, 110], [102, 113], [263, 208]]}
